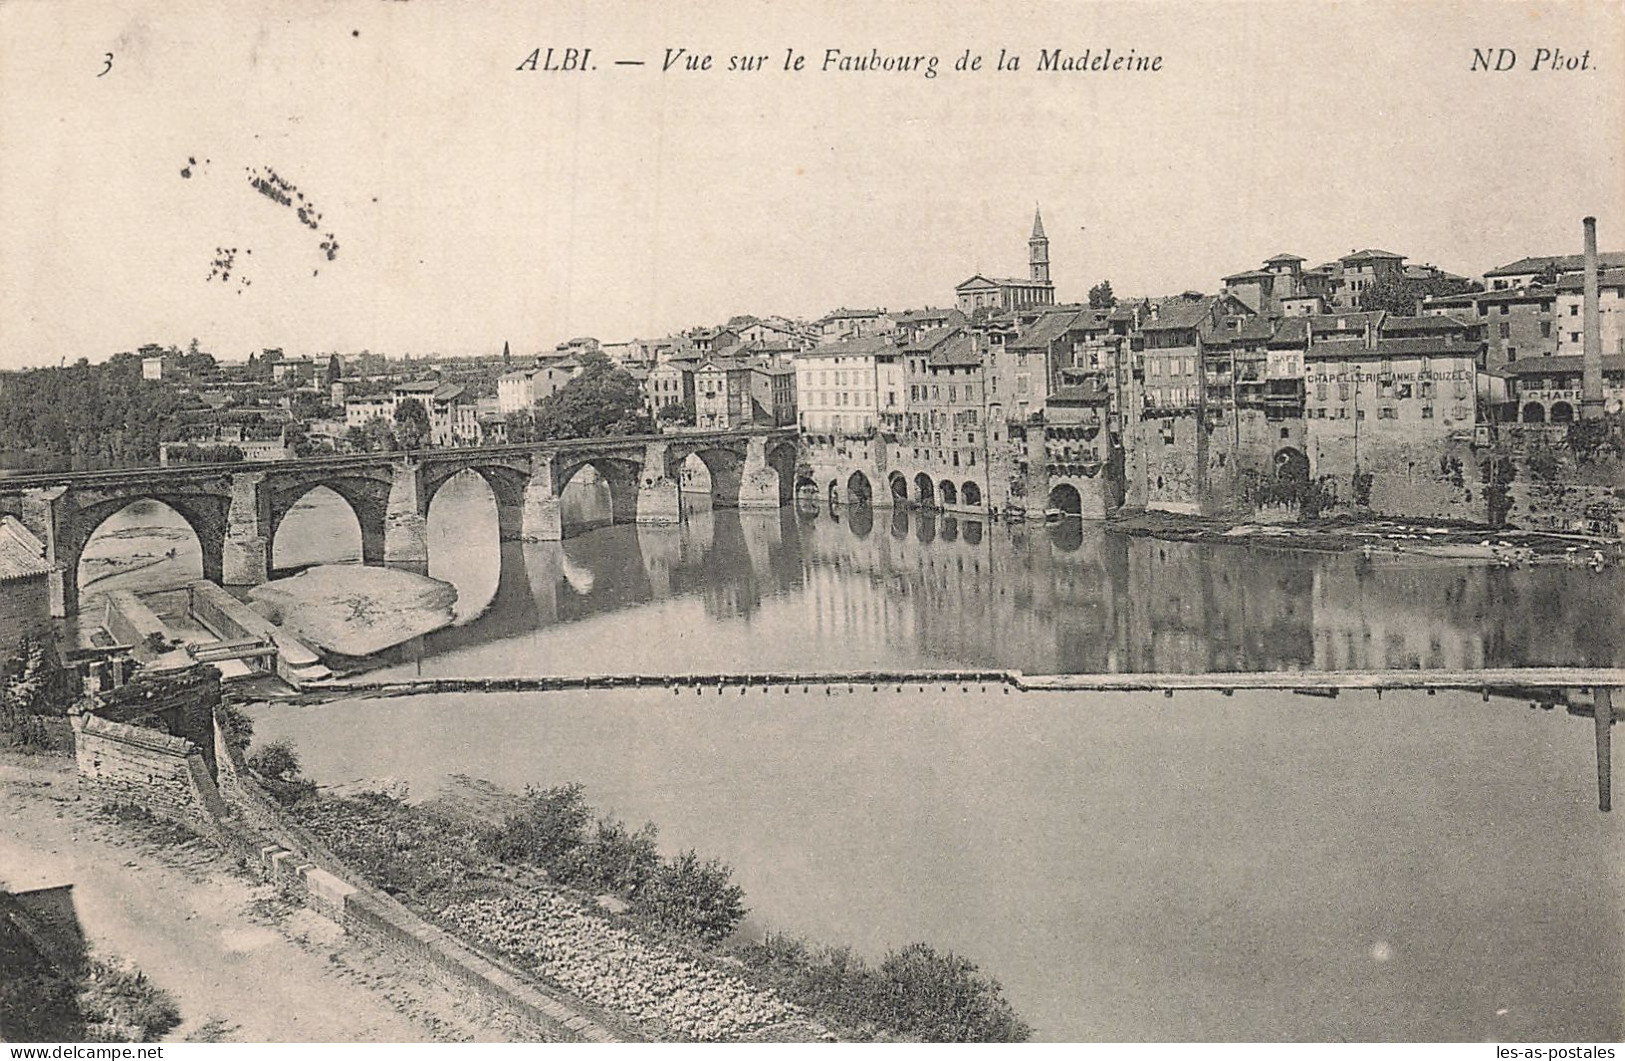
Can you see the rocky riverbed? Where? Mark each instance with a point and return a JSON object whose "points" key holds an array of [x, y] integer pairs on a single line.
{"points": [[354, 610]]}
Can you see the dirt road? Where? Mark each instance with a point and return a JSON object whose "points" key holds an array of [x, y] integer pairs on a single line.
{"points": [[242, 964]]}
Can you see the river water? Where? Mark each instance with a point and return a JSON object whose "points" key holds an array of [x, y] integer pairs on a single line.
{"points": [[1264, 866]]}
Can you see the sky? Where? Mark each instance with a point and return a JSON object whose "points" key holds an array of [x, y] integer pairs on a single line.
{"points": [[473, 203]]}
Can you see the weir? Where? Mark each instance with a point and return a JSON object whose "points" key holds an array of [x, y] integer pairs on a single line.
{"points": [[1557, 682]]}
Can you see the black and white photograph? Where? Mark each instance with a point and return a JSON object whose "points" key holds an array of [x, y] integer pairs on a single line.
{"points": [[770, 521]]}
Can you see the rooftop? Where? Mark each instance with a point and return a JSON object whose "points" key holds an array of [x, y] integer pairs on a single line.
{"points": [[21, 554], [1370, 254], [958, 351], [1560, 263], [1543, 366]]}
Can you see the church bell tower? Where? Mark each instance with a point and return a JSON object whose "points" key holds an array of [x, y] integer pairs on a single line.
{"points": [[1038, 250]]}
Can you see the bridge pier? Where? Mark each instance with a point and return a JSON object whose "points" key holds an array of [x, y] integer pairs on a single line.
{"points": [[541, 517], [758, 480], [406, 521], [42, 512], [659, 499], [246, 553]]}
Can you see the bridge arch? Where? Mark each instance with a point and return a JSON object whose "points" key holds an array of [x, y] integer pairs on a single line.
{"points": [[925, 492], [367, 496], [620, 476], [1291, 465], [970, 494], [948, 492], [1065, 498], [176, 543], [858, 490], [897, 483], [319, 526]]}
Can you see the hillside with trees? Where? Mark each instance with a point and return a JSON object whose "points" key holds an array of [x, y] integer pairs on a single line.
{"points": [[86, 417]]}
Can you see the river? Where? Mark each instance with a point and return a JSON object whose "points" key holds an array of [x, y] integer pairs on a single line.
{"points": [[1264, 866]]}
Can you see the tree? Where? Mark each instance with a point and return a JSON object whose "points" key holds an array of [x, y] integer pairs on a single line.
{"points": [[677, 414], [1101, 297], [1402, 296], [411, 423], [380, 435], [521, 426], [602, 399]]}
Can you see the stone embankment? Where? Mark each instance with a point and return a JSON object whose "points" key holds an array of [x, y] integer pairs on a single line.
{"points": [[616, 969]]}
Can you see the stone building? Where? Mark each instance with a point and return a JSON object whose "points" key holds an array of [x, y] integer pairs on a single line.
{"points": [[1516, 323], [943, 453], [850, 387], [722, 393], [25, 585], [1569, 309], [1005, 293]]}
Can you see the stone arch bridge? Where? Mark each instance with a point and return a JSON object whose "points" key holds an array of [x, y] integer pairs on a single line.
{"points": [[235, 509]]}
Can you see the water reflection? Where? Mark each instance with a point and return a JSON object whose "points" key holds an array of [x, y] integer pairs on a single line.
{"points": [[817, 586]]}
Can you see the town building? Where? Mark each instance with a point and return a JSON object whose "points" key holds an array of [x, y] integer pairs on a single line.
{"points": [[25, 585], [1516, 322], [525, 388], [846, 323], [1360, 271], [670, 384], [294, 371], [983, 292], [943, 452], [1569, 311], [1545, 269], [1546, 390], [850, 387], [722, 393], [911, 324], [773, 393]]}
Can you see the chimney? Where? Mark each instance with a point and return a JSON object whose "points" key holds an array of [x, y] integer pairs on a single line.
{"points": [[1591, 407]]}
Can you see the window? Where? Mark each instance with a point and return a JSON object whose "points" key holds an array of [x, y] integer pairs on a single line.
{"points": [[1505, 309], [1506, 329], [1545, 329], [1574, 337], [1359, 414], [1574, 310], [1427, 412], [1387, 412]]}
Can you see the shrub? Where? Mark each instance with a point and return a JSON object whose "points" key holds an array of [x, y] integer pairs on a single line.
{"points": [[277, 764], [236, 728], [615, 859], [941, 998], [276, 761], [915, 993], [122, 1001], [551, 826], [693, 897]]}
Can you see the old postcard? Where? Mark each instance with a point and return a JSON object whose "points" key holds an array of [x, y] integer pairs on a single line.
{"points": [[792, 522]]}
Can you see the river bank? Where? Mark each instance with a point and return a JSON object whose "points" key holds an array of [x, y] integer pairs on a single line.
{"points": [[642, 943], [242, 964], [1381, 538]]}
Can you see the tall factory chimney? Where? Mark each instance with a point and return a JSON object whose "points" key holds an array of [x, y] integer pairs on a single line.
{"points": [[1591, 407]]}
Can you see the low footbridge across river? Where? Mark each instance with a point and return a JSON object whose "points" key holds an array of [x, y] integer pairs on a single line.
{"points": [[1585, 690]]}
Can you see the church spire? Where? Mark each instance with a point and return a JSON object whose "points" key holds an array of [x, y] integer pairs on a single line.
{"points": [[1038, 251]]}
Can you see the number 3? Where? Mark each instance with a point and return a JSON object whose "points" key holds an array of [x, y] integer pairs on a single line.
{"points": [[109, 66]]}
